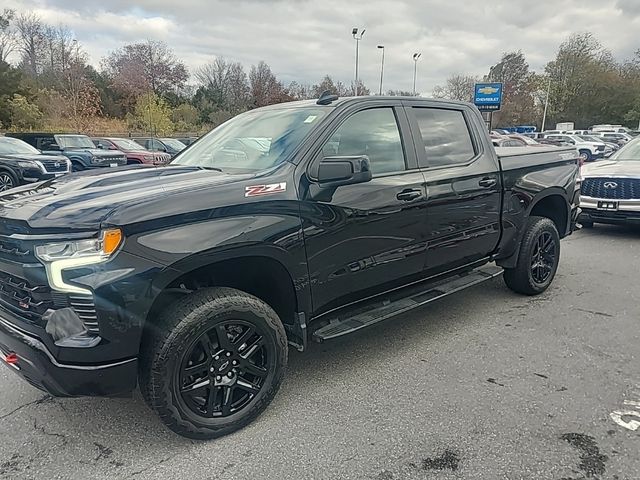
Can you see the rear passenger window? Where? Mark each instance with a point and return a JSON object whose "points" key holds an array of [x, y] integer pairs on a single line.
{"points": [[374, 133], [445, 135]]}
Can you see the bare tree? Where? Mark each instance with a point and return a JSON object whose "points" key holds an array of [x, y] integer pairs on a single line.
{"points": [[264, 88], [457, 87], [8, 35], [31, 39]]}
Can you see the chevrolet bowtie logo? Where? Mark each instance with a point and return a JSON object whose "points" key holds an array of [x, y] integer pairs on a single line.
{"points": [[488, 90]]}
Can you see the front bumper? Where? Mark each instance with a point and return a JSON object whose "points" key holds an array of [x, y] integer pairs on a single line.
{"points": [[628, 211], [37, 365]]}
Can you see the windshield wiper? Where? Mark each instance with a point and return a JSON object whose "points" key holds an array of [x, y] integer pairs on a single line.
{"points": [[211, 168]]}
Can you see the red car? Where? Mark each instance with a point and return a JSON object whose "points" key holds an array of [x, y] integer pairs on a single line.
{"points": [[136, 154]]}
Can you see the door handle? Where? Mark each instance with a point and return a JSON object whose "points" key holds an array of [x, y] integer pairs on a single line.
{"points": [[488, 182], [408, 195]]}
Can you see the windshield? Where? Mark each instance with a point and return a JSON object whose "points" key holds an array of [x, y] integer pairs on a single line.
{"points": [[126, 144], [254, 140], [630, 152], [13, 145], [174, 144], [74, 141]]}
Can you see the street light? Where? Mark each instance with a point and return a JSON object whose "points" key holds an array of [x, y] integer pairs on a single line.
{"points": [[546, 105], [381, 47], [357, 38], [416, 56]]}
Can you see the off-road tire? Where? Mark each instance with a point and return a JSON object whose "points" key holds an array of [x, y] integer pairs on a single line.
{"points": [[168, 339], [521, 279]]}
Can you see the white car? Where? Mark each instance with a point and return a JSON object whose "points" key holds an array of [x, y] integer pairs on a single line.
{"points": [[588, 150], [614, 137], [610, 190]]}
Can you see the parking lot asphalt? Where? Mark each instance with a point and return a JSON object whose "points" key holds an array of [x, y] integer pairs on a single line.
{"points": [[484, 384]]}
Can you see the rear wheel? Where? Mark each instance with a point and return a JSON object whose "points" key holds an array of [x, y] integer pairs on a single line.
{"points": [[214, 363], [537, 260], [7, 181]]}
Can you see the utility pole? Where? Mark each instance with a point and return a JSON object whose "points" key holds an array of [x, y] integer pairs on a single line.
{"points": [[357, 38], [546, 105], [381, 67], [416, 56]]}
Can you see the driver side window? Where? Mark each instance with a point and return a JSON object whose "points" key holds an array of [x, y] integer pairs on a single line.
{"points": [[373, 133]]}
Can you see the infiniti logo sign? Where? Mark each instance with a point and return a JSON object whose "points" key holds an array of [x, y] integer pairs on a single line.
{"points": [[610, 185]]}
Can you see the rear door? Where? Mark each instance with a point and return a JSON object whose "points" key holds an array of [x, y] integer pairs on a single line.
{"points": [[464, 191], [368, 237]]}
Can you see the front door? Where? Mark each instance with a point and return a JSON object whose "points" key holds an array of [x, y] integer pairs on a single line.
{"points": [[464, 196], [368, 237]]}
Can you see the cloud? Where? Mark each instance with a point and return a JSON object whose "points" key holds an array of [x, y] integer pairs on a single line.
{"points": [[303, 40]]}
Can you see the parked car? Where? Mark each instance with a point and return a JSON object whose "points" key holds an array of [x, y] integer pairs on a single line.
{"points": [[611, 189], [187, 140], [192, 279], [612, 147], [589, 151], [528, 141], [619, 138], [135, 153], [78, 148], [506, 141], [167, 145], [20, 163]]}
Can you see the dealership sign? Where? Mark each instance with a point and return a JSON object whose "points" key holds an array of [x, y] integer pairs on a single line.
{"points": [[488, 96]]}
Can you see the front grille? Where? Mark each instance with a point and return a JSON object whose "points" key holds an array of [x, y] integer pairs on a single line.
{"points": [[28, 301], [112, 159], [32, 301], [55, 166], [611, 188]]}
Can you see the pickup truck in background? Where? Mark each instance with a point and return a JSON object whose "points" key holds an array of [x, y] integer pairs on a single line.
{"points": [[78, 148], [299, 221]]}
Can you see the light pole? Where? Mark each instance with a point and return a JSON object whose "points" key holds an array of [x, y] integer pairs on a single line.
{"points": [[546, 105], [381, 47], [357, 38], [416, 56]]}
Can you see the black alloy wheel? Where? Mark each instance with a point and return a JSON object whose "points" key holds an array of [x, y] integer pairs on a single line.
{"points": [[544, 258], [224, 369]]}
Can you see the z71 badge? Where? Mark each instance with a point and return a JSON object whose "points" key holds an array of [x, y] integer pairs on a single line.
{"points": [[259, 190]]}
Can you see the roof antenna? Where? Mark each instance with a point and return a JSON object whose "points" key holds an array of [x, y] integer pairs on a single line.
{"points": [[326, 98]]}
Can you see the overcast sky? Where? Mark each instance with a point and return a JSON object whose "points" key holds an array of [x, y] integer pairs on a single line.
{"points": [[303, 40]]}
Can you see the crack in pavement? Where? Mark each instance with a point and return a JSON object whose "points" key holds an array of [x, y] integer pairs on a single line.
{"points": [[40, 401]]}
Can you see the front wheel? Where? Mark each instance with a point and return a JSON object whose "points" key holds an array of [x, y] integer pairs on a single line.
{"points": [[7, 181], [538, 258], [585, 156], [213, 362]]}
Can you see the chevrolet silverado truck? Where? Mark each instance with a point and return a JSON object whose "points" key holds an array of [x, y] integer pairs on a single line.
{"points": [[288, 223]]}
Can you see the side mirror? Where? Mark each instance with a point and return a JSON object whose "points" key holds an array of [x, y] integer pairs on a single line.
{"points": [[338, 171], [100, 146]]}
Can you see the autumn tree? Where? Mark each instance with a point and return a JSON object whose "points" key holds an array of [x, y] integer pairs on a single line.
{"points": [[151, 114], [518, 89], [185, 117], [264, 88], [224, 85], [82, 99], [328, 84], [149, 66], [24, 114], [457, 87]]}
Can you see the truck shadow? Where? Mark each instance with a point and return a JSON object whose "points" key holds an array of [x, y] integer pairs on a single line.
{"points": [[622, 232], [123, 437]]}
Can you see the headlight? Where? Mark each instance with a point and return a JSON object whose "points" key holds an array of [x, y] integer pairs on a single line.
{"points": [[148, 158], [65, 255], [27, 164]]}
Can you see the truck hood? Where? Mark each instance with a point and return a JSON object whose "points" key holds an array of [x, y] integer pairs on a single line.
{"points": [[612, 168], [96, 152], [83, 201]]}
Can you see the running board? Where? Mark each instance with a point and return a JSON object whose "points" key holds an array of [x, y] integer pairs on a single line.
{"points": [[388, 308]]}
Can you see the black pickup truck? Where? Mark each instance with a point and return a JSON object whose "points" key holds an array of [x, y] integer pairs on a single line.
{"points": [[292, 222]]}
